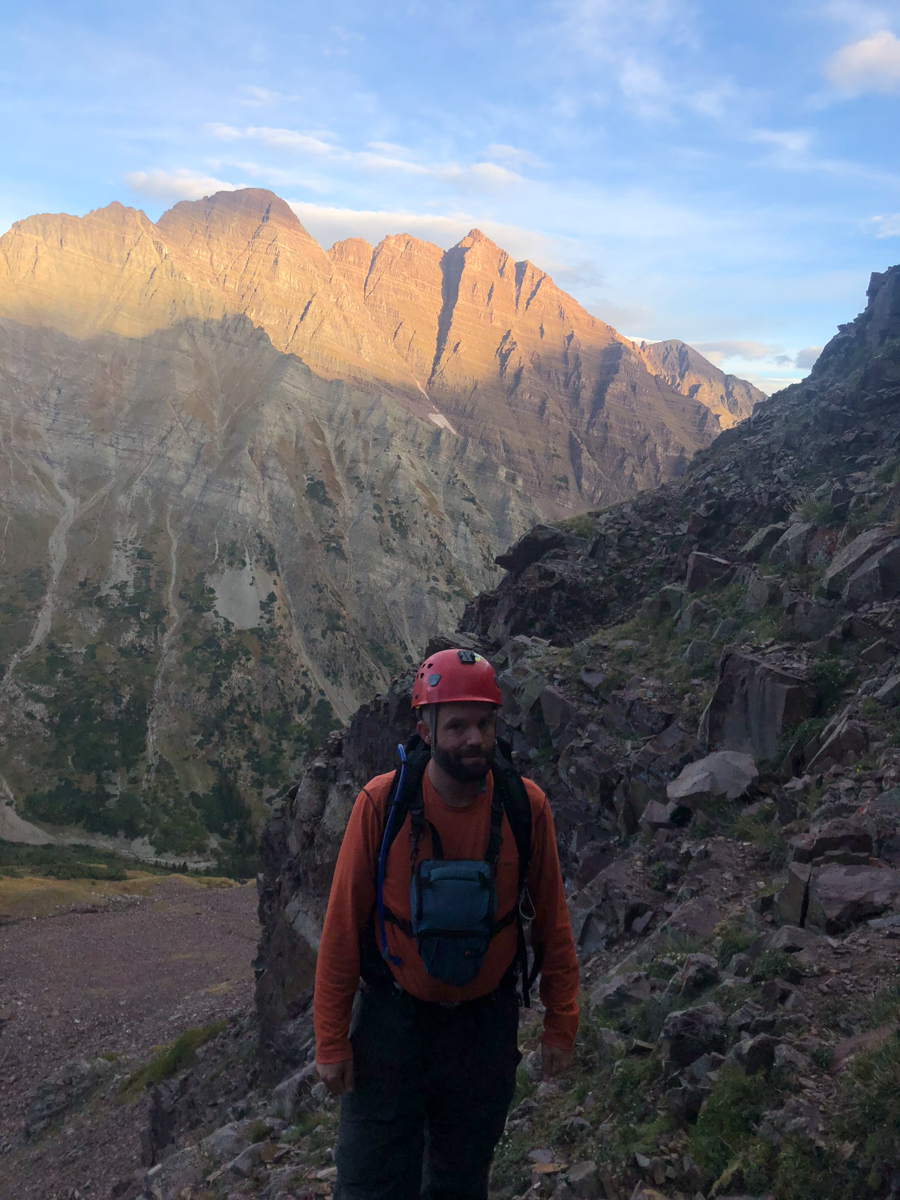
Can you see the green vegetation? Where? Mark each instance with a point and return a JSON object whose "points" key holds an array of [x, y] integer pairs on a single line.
{"points": [[171, 1059], [317, 491], [831, 678], [723, 1137], [67, 862]]}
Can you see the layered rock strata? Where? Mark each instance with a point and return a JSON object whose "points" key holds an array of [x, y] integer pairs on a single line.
{"points": [[242, 480]]}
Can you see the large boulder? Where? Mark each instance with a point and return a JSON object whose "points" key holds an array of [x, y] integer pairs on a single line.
{"points": [[841, 840], [762, 590], [852, 557], [791, 547], [841, 896], [691, 1032], [753, 702], [761, 542], [539, 540], [724, 775], [651, 768], [791, 902], [622, 991], [704, 570], [843, 740]]}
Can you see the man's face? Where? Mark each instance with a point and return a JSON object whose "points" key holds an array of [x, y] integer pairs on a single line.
{"points": [[464, 739]]}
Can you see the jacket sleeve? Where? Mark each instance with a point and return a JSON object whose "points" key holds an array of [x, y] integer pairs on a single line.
{"points": [[552, 931], [350, 904]]}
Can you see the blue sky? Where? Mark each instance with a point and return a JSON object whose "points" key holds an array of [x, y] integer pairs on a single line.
{"points": [[725, 174]]}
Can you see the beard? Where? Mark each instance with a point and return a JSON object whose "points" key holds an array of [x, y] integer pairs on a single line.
{"points": [[464, 769]]}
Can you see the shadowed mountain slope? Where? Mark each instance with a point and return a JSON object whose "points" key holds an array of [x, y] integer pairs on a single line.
{"points": [[243, 480]]}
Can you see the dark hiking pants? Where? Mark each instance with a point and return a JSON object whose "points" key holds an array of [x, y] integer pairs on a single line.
{"points": [[432, 1089]]}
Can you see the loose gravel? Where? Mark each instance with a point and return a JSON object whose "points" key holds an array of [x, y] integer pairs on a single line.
{"points": [[121, 981]]}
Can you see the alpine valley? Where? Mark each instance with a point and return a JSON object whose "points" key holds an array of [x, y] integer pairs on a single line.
{"points": [[243, 480]]}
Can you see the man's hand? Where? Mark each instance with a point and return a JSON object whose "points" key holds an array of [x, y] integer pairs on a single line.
{"points": [[554, 1061], [337, 1077]]}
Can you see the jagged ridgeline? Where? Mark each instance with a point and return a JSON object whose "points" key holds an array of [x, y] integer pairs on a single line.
{"points": [[243, 480]]}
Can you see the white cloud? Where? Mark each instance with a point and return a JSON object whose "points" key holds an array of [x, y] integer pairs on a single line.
{"points": [[869, 65], [387, 158], [511, 156], [390, 148], [328, 225], [285, 139], [860, 18], [790, 151], [805, 358], [792, 141], [718, 352], [769, 383], [886, 225], [180, 184], [257, 97]]}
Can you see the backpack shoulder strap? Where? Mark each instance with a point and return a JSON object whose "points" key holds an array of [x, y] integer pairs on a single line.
{"points": [[516, 805], [417, 758], [402, 794]]}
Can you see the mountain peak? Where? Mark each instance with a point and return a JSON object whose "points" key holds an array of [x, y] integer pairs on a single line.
{"points": [[476, 238], [257, 204]]}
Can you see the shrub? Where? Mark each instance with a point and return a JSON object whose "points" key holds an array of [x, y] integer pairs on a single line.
{"points": [[172, 1059], [870, 1105], [724, 1129]]}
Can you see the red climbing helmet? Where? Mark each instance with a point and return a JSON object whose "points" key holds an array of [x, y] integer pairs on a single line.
{"points": [[455, 675]]}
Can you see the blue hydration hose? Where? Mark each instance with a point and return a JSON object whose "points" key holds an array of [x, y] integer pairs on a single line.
{"points": [[385, 842]]}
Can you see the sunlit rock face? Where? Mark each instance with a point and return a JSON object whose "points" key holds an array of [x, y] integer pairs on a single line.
{"points": [[731, 399], [243, 480]]}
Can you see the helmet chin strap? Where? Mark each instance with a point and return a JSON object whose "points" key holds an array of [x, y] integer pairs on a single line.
{"points": [[432, 722]]}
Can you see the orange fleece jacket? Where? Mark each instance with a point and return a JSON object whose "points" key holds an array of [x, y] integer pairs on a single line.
{"points": [[464, 835]]}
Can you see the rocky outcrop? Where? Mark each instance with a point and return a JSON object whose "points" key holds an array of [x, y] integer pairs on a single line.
{"points": [[754, 702], [683, 368], [589, 703]]}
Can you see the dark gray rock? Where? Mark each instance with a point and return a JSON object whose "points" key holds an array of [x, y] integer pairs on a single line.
{"points": [[622, 991], [840, 896], [762, 592], [761, 542], [723, 775], [841, 835], [791, 902], [691, 1032], [539, 540], [704, 570], [699, 973], [725, 630], [753, 702], [878, 578], [791, 547], [852, 557], [697, 652], [755, 1054]]}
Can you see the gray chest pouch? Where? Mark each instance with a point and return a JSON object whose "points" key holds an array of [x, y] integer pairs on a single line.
{"points": [[452, 906]]}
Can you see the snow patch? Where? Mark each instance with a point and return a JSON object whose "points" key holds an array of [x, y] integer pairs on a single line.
{"points": [[441, 421]]}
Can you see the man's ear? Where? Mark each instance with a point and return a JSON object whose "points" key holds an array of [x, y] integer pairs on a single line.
{"points": [[423, 729]]}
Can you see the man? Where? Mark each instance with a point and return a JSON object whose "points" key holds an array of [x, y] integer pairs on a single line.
{"points": [[428, 914]]}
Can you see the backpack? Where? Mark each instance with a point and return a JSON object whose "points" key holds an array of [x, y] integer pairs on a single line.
{"points": [[450, 953]]}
